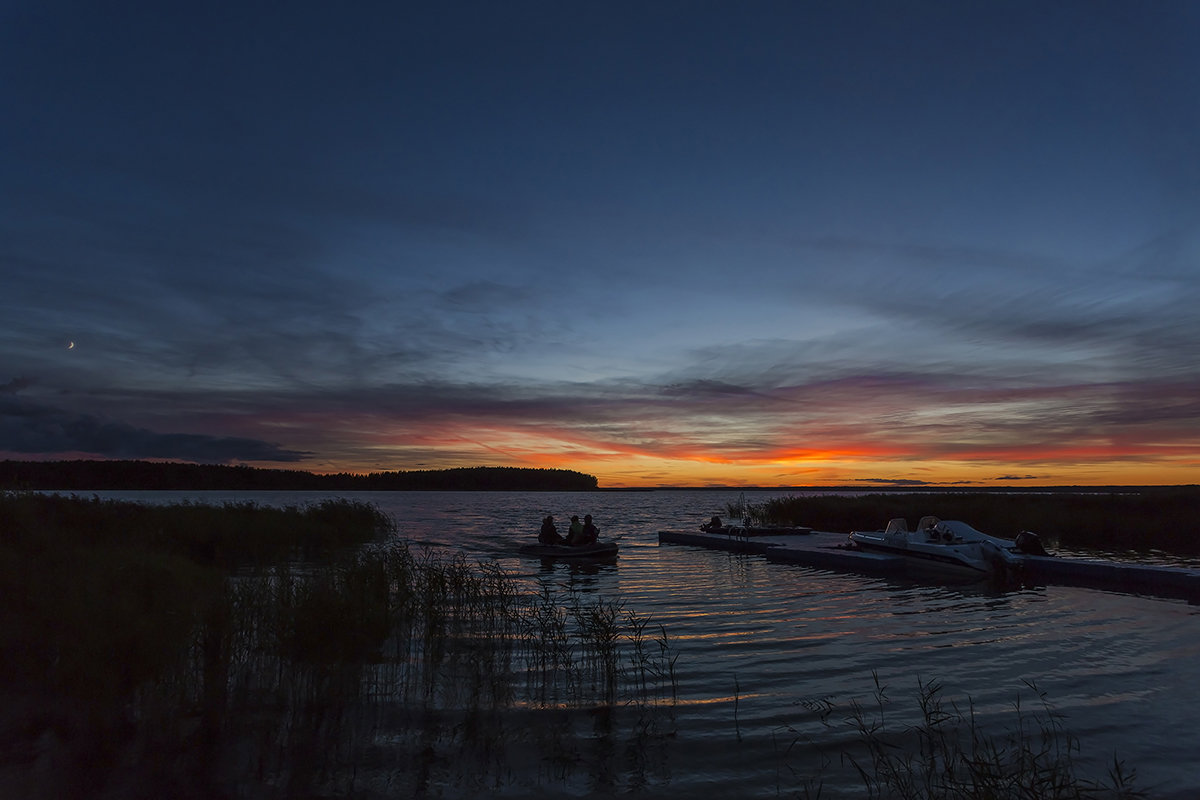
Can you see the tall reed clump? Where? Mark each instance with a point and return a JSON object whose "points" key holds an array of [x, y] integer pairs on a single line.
{"points": [[192, 650], [229, 535], [1135, 519], [115, 632], [427, 652]]}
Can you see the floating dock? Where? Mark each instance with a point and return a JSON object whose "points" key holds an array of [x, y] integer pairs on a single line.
{"points": [[825, 550]]}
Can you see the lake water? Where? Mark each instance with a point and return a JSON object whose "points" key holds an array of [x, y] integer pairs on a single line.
{"points": [[762, 647]]}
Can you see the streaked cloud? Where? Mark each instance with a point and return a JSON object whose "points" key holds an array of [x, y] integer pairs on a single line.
{"points": [[791, 244], [30, 429]]}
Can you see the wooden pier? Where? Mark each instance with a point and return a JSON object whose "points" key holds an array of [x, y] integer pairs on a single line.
{"points": [[825, 550]]}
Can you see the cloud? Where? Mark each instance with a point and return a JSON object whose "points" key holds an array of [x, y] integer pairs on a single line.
{"points": [[15, 385], [39, 429], [931, 301], [705, 388]]}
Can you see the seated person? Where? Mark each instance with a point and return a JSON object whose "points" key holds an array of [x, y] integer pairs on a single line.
{"points": [[713, 525], [549, 533], [576, 529], [587, 534]]}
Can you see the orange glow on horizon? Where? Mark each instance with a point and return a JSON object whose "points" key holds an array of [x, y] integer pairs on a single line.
{"points": [[636, 472], [370, 443]]}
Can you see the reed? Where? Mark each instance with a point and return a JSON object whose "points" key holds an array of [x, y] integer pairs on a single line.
{"points": [[461, 645], [167, 652], [946, 755], [1134, 519], [187, 649], [226, 536]]}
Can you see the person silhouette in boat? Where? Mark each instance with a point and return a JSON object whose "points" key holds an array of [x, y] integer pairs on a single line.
{"points": [[575, 532], [549, 532], [713, 525], [587, 534]]}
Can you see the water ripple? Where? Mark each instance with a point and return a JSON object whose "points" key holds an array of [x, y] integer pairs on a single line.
{"points": [[762, 646]]}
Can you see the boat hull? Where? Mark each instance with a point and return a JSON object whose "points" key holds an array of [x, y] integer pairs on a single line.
{"points": [[937, 558], [948, 547], [566, 552]]}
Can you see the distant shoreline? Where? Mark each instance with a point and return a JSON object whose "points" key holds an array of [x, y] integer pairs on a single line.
{"points": [[100, 475], [1115, 488], [92, 475]]}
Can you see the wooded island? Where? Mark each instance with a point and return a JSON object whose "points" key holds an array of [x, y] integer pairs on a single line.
{"points": [[130, 475]]}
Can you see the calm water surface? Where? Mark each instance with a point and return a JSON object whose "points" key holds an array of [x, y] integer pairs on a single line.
{"points": [[761, 645]]}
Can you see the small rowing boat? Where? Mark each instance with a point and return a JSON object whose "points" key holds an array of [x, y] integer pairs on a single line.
{"points": [[562, 551]]}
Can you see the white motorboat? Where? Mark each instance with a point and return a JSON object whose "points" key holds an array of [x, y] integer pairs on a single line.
{"points": [[949, 546]]}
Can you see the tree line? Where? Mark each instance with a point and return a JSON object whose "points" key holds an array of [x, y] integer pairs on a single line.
{"points": [[127, 475]]}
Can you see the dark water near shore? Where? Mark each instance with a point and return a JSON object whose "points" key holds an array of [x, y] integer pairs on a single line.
{"points": [[759, 643]]}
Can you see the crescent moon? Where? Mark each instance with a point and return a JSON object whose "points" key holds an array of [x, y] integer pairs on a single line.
{"points": [[70, 345]]}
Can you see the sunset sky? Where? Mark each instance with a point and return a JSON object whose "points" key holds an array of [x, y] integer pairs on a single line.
{"points": [[663, 243]]}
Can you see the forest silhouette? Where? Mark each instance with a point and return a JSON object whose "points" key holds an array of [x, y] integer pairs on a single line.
{"points": [[132, 475]]}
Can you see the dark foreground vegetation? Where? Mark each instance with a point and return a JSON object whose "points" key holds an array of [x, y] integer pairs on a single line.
{"points": [[1163, 518], [194, 652], [191, 651], [126, 475]]}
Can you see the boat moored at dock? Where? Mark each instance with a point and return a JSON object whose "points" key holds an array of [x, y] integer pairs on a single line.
{"points": [[949, 546]]}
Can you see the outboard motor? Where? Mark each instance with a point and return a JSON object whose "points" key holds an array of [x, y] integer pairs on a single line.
{"points": [[1028, 542]]}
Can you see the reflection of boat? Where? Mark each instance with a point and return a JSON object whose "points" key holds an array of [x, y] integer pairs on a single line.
{"points": [[562, 551], [949, 545]]}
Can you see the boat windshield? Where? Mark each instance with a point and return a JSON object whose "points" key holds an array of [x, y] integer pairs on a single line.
{"points": [[927, 523]]}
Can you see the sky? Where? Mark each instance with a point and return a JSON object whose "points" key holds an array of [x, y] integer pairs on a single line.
{"points": [[662, 243]]}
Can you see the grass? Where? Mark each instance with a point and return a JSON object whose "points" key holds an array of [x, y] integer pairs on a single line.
{"points": [[425, 651], [1137, 520], [947, 756], [116, 626], [233, 534], [192, 651], [188, 650]]}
